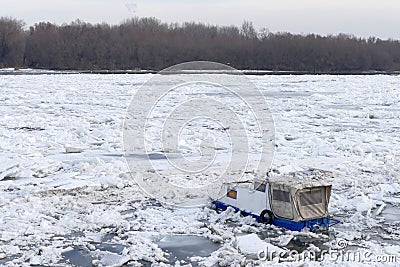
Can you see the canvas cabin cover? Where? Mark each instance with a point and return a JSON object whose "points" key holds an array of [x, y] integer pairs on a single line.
{"points": [[298, 201]]}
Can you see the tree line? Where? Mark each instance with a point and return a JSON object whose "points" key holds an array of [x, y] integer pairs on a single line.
{"points": [[148, 43]]}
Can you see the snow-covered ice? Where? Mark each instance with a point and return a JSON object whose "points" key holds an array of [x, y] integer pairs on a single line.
{"points": [[65, 185], [251, 244]]}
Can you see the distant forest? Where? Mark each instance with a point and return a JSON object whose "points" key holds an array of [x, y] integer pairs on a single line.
{"points": [[147, 43]]}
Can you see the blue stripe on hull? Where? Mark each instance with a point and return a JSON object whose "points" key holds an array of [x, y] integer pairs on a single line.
{"points": [[313, 225]]}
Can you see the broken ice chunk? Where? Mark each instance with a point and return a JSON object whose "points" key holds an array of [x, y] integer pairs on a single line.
{"points": [[252, 245], [9, 168]]}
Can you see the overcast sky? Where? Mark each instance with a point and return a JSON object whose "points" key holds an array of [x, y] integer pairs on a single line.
{"points": [[362, 18]]}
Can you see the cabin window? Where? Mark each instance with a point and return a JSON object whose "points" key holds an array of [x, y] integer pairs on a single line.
{"points": [[260, 186], [280, 195], [232, 193], [311, 197], [282, 204]]}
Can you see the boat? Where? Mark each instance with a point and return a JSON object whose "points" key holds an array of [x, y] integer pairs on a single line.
{"points": [[282, 201]]}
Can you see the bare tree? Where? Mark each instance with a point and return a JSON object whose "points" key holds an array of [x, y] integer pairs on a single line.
{"points": [[12, 42], [147, 43]]}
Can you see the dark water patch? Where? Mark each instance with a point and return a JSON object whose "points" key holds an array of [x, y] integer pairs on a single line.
{"points": [[128, 212], [28, 128], [9, 259], [298, 242], [155, 156], [78, 256], [74, 235], [108, 237], [144, 263], [151, 202], [114, 155], [110, 247], [301, 243], [151, 156], [183, 247]]}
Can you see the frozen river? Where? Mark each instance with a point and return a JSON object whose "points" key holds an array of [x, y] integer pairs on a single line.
{"points": [[83, 208]]}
